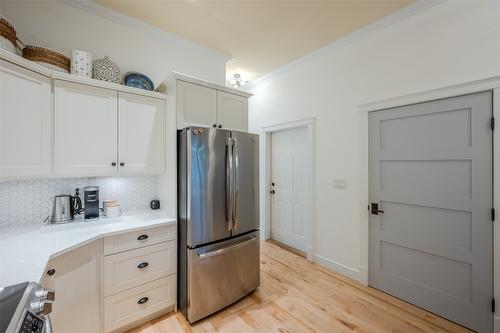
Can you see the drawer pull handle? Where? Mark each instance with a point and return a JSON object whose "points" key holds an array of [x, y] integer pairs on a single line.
{"points": [[142, 237], [143, 265], [143, 300]]}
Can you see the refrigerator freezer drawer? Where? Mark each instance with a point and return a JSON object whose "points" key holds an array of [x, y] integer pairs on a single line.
{"points": [[222, 273]]}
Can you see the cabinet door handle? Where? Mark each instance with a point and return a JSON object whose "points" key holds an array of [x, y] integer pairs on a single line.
{"points": [[143, 300], [122, 164], [51, 272], [113, 163], [214, 125], [143, 265], [220, 126], [142, 237]]}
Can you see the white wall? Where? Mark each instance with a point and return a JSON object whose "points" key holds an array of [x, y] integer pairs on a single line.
{"points": [[133, 46], [446, 44]]}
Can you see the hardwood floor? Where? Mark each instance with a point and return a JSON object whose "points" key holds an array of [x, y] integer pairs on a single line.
{"points": [[298, 296]]}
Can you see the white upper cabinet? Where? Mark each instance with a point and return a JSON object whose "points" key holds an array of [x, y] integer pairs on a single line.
{"points": [[105, 132], [141, 133], [201, 103], [232, 111], [25, 123], [196, 105], [85, 135]]}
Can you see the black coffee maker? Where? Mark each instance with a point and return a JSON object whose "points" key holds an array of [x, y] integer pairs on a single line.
{"points": [[91, 202]]}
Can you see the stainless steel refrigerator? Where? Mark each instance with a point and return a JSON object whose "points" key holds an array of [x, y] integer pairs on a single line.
{"points": [[218, 189]]}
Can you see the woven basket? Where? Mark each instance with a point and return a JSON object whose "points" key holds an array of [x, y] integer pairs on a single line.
{"points": [[7, 31], [41, 54]]}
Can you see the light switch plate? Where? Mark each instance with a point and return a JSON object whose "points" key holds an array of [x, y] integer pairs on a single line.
{"points": [[339, 184]]}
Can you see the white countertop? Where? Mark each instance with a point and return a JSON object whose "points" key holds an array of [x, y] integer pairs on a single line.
{"points": [[25, 251]]}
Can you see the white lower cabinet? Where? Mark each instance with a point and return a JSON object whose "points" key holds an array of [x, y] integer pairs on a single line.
{"points": [[124, 309], [135, 267], [139, 238], [139, 274], [113, 291], [76, 278]]}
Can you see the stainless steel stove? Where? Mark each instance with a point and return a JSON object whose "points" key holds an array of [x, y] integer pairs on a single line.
{"points": [[25, 308]]}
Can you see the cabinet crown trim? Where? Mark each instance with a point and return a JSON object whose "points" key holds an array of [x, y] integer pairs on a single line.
{"points": [[200, 82]]}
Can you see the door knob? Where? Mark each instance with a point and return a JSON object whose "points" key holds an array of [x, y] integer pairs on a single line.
{"points": [[375, 210], [272, 191]]}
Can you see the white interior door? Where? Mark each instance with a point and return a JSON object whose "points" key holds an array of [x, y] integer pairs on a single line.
{"points": [[289, 187]]}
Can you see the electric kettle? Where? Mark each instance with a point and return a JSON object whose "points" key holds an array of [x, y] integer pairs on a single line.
{"points": [[64, 207]]}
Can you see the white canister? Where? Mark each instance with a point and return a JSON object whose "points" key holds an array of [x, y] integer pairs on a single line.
{"points": [[81, 63], [113, 211]]}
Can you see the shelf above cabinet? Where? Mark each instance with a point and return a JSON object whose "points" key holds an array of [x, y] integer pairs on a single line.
{"points": [[32, 66]]}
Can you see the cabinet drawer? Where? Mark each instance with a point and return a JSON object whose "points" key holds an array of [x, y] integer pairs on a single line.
{"points": [[135, 267], [134, 304], [137, 239]]}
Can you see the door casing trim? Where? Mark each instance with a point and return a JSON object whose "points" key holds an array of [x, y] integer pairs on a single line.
{"points": [[266, 132]]}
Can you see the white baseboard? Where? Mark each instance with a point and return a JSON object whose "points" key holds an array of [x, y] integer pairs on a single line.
{"points": [[363, 274], [497, 324], [337, 267]]}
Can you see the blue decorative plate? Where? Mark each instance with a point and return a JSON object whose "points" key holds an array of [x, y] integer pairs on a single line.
{"points": [[138, 80]]}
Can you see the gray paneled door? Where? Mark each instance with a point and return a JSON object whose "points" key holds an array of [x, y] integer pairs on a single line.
{"points": [[431, 175]]}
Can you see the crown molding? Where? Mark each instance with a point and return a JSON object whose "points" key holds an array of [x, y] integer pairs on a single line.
{"points": [[398, 16], [117, 17]]}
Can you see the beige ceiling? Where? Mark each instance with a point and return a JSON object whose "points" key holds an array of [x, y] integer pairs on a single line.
{"points": [[260, 36]]}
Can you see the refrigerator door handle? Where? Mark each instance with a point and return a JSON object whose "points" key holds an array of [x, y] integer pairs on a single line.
{"points": [[226, 249], [229, 182], [236, 183]]}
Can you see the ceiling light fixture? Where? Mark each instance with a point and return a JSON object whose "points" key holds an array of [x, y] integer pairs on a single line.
{"points": [[237, 81]]}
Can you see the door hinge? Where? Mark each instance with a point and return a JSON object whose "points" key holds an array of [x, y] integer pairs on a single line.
{"points": [[493, 214], [493, 305], [492, 123]]}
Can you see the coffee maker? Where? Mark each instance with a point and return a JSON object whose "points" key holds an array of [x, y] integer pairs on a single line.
{"points": [[91, 202]]}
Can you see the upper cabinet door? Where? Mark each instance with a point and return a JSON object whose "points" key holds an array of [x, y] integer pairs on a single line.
{"points": [[196, 105], [232, 111], [141, 134], [25, 123], [85, 134]]}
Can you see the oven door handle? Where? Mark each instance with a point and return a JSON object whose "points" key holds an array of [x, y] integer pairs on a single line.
{"points": [[47, 326]]}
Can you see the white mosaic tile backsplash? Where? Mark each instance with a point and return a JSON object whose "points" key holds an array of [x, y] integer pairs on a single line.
{"points": [[27, 201]]}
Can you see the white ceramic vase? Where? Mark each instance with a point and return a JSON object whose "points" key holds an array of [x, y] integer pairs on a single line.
{"points": [[81, 63]]}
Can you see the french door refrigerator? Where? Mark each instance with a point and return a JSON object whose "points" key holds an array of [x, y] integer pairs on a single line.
{"points": [[218, 243]]}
